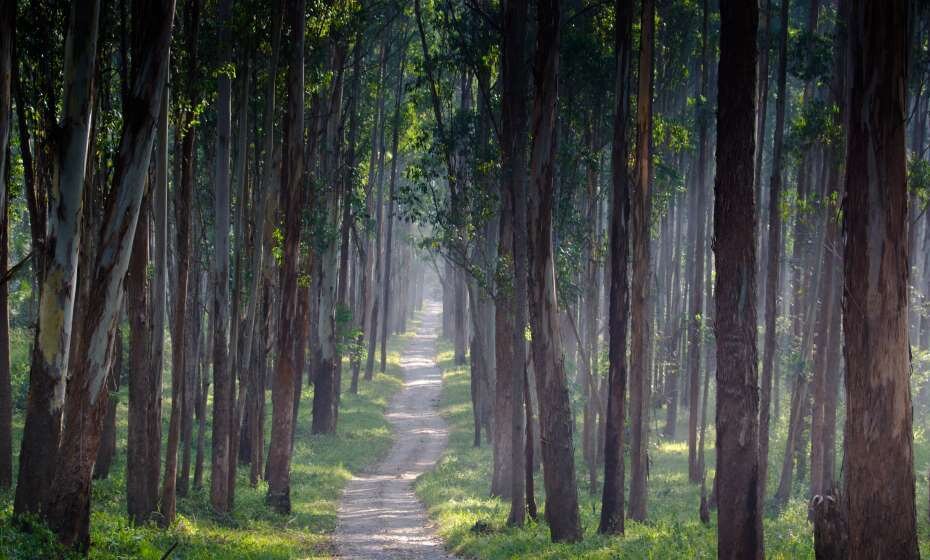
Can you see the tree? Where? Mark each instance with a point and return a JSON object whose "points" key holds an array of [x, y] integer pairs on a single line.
{"points": [[68, 506], [48, 374], [739, 525], [696, 319], [879, 459], [773, 253], [283, 387], [513, 157], [612, 501], [223, 384], [641, 324], [555, 408], [7, 27]]}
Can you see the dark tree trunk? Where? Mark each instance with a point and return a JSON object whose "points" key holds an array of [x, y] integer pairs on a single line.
{"points": [[739, 525], [555, 407], [107, 451], [641, 323], [286, 371], [510, 412], [879, 463], [7, 26], [612, 501]]}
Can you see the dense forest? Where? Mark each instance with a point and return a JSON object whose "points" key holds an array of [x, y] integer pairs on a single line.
{"points": [[600, 279]]}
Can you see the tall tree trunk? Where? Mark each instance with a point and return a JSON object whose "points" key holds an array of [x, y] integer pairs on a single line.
{"points": [[739, 525], [774, 247], [286, 371], [389, 219], [325, 394], [68, 509], [879, 462], [641, 324], [222, 372], [143, 440], [696, 319], [513, 156], [49, 370], [612, 513], [183, 200], [555, 407], [7, 26]]}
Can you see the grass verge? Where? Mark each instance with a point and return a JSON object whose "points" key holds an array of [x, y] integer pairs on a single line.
{"points": [[321, 467], [456, 495]]}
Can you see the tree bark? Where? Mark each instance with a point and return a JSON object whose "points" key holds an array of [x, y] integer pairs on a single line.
{"points": [[222, 373], [555, 407], [286, 371], [774, 249], [695, 319], [48, 374], [68, 509], [7, 26], [641, 323], [739, 525], [879, 461], [514, 189], [612, 510]]}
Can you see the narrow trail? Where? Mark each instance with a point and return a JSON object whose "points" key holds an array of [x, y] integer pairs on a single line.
{"points": [[380, 518]]}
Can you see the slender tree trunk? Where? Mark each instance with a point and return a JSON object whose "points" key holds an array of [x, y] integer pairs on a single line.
{"points": [[772, 258], [222, 372], [183, 201], [325, 394], [107, 451], [389, 219], [641, 324], [612, 510], [286, 371], [555, 408], [879, 462], [739, 525], [7, 26], [696, 318], [513, 154]]}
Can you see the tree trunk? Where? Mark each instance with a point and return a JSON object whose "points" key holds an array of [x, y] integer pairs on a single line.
{"points": [[774, 248], [696, 319], [68, 509], [222, 372], [183, 200], [49, 371], [7, 26], [513, 242], [641, 324], [283, 387], [879, 462], [739, 525], [555, 407], [612, 513], [107, 450]]}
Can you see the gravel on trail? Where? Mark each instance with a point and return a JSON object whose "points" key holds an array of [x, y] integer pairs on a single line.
{"points": [[380, 517]]}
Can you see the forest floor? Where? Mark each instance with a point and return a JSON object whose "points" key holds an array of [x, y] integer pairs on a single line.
{"points": [[456, 494], [321, 467], [380, 517]]}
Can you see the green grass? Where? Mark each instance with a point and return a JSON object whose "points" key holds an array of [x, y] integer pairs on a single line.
{"points": [[456, 494], [320, 468]]}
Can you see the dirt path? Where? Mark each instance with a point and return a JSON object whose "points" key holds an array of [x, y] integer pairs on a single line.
{"points": [[380, 517]]}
